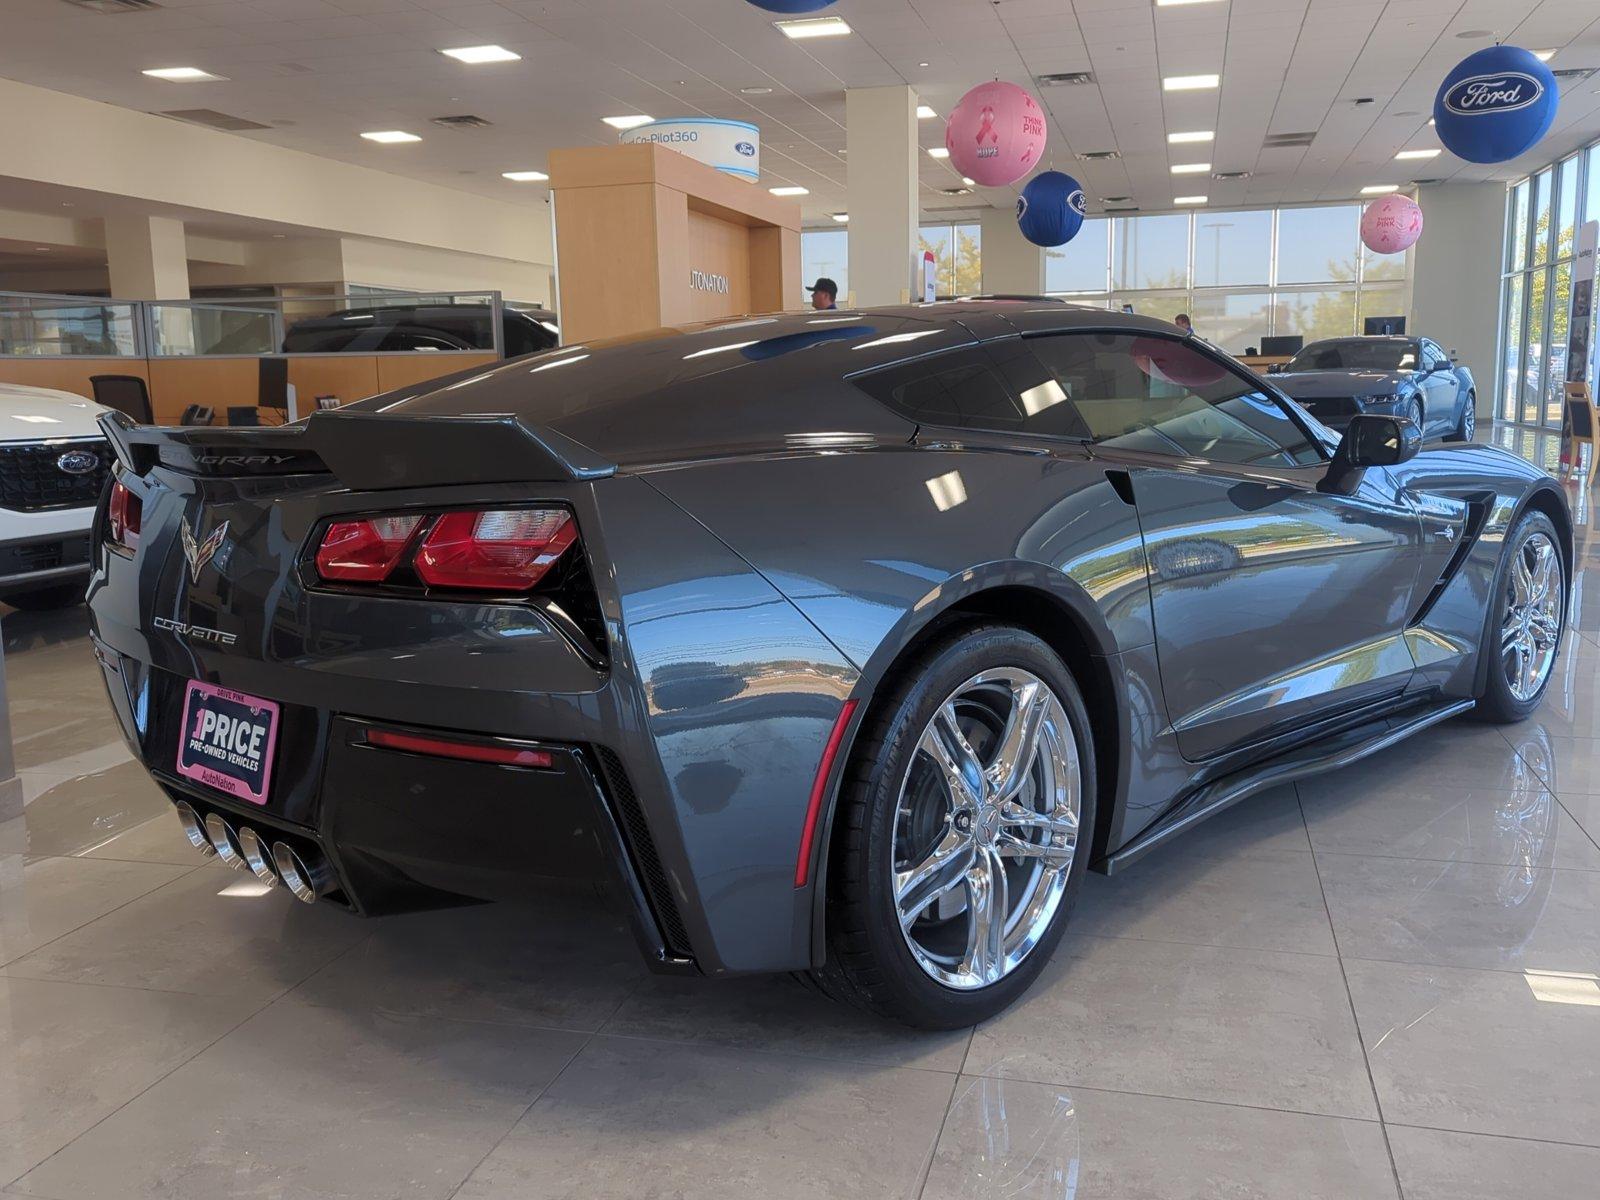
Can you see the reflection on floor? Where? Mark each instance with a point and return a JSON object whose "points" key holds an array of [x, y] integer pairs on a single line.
{"points": [[1385, 978]]}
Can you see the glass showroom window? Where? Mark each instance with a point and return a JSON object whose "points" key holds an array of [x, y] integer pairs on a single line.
{"points": [[1543, 215], [825, 253], [1241, 275], [958, 250]]}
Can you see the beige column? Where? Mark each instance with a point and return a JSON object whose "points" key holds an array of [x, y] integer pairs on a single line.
{"points": [[148, 258], [1012, 265], [881, 133]]}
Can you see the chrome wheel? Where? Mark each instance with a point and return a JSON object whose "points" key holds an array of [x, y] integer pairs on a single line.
{"points": [[986, 828], [1532, 622], [1469, 419]]}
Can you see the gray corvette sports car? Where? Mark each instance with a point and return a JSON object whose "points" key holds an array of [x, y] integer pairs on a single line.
{"points": [[1404, 377], [843, 643]]}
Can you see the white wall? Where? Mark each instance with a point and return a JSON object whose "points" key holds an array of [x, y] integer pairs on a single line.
{"points": [[75, 143], [1455, 286]]}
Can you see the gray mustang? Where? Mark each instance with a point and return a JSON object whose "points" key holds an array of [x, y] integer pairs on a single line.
{"points": [[843, 643], [1405, 377]]}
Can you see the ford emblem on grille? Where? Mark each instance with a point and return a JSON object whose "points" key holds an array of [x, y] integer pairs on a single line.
{"points": [[79, 462]]}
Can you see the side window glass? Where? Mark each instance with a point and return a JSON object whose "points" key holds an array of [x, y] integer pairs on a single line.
{"points": [[1144, 392], [960, 389]]}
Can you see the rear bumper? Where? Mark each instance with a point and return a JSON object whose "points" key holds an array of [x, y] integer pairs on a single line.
{"points": [[403, 831]]}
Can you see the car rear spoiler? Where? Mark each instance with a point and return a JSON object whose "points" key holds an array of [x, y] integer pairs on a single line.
{"points": [[365, 451]]}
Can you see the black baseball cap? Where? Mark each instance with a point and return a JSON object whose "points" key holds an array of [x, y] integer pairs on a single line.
{"points": [[824, 284]]}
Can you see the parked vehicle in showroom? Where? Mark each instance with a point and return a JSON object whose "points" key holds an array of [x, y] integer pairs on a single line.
{"points": [[54, 464], [846, 643], [1402, 376], [423, 327]]}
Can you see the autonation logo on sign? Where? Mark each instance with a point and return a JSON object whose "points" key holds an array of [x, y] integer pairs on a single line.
{"points": [[731, 146]]}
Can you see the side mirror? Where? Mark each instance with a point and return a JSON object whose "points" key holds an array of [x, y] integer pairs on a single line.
{"points": [[1370, 440], [1275, 369]]}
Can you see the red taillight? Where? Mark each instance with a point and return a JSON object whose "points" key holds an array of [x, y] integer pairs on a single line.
{"points": [[413, 743], [364, 551], [125, 516], [501, 550]]}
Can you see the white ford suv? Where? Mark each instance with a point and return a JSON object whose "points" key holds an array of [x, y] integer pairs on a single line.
{"points": [[54, 463]]}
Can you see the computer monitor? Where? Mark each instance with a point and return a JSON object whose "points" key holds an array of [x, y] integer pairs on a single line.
{"points": [[1280, 347], [1384, 326]]}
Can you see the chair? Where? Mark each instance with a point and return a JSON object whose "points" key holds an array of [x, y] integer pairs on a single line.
{"points": [[127, 394], [272, 391], [247, 414]]}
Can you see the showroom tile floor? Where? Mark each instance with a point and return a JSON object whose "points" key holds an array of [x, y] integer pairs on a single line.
{"points": [[1384, 982]]}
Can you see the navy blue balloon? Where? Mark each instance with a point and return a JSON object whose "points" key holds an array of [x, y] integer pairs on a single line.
{"points": [[792, 6], [1050, 209], [1495, 105]]}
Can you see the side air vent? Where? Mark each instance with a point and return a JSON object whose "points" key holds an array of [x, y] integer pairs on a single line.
{"points": [[1572, 74], [465, 121], [1286, 141], [1065, 79], [1099, 155], [652, 875], [109, 7], [212, 119], [955, 191], [1226, 175]]}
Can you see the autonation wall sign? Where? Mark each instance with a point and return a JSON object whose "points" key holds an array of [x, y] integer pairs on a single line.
{"points": [[731, 146]]}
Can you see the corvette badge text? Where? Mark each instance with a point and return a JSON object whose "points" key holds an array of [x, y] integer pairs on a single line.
{"points": [[196, 633]]}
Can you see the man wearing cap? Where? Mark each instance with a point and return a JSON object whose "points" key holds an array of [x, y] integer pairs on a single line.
{"points": [[824, 293]]}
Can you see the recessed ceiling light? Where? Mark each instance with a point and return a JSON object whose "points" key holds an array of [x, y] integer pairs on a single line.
{"points": [[1191, 168], [183, 75], [755, 91], [482, 54], [922, 64], [1380, 189], [938, 152], [1190, 199], [815, 27], [1189, 83], [790, 191], [1195, 135], [969, 182], [1544, 55], [524, 176], [924, 113], [1468, 34], [42, 249], [391, 136], [1418, 154], [629, 122], [842, 218], [1175, 3]]}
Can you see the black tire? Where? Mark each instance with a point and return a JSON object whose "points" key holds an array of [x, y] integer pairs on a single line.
{"points": [[1497, 703], [1467, 423], [868, 962], [62, 595], [1413, 413]]}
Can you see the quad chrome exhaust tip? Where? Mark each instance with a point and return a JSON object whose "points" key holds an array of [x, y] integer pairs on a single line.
{"points": [[225, 841], [307, 877], [194, 829], [257, 856]]}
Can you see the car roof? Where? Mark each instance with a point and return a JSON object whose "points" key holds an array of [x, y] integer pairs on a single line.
{"points": [[729, 384]]}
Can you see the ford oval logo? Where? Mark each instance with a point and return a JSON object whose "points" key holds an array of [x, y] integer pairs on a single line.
{"points": [[1077, 202], [1506, 92], [745, 148], [79, 462]]}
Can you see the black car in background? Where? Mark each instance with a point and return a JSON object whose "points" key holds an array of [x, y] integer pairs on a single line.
{"points": [[1398, 376], [423, 327]]}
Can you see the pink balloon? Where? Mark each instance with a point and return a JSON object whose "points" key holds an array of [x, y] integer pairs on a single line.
{"points": [[1173, 362], [996, 134], [1391, 224]]}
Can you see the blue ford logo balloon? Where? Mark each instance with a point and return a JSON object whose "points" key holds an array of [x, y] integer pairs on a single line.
{"points": [[1050, 209], [745, 148], [792, 6], [1495, 105]]}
